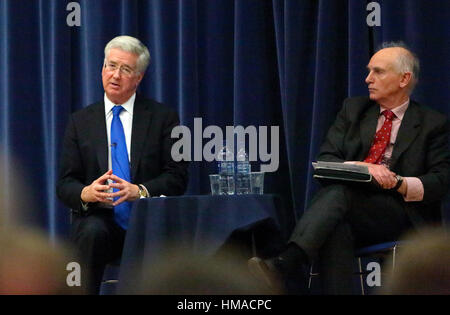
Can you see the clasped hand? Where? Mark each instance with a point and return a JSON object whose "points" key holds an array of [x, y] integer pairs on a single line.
{"points": [[384, 177], [97, 190]]}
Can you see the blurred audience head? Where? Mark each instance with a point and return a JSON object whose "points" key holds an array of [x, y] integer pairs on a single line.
{"points": [[180, 272], [422, 265], [29, 264]]}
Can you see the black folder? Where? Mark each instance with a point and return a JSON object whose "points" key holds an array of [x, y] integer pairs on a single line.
{"points": [[341, 172]]}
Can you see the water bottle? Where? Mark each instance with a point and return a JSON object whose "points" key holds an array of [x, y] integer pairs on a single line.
{"points": [[243, 169], [225, 160]]}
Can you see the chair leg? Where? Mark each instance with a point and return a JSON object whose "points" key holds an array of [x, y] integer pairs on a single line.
{"points": [[361, 278], [394, 250], [311, 275]]}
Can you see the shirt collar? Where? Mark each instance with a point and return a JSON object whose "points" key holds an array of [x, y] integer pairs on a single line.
{"points": [[399, 111], [128, 105]]}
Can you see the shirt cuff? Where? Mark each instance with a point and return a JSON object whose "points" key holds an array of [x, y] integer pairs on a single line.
{"points": [[415, 191]]}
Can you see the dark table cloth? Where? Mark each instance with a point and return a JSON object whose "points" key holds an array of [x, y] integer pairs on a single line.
{"points": [[201, 224]]}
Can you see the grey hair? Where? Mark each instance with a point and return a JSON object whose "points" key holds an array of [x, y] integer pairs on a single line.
{"points": [[406, 62], [132, 45]]}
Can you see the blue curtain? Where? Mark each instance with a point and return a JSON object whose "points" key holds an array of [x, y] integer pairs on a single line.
{"points": [[286, 63]]}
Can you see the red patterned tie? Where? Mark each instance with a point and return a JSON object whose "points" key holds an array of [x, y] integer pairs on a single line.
{"points": [[382, 139]]}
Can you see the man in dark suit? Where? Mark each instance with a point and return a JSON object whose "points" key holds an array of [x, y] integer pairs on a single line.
{"points": [[405, 147], [114, 152]]}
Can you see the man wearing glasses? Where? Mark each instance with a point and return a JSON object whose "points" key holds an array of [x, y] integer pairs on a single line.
{"points": [[405, 147], [114, 152]]}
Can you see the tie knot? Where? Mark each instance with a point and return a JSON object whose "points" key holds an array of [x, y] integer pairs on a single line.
{"points": [[117, 109], [389, 115]]}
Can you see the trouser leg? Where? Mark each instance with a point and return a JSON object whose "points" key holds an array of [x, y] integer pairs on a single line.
{"points": [[98, 240], [335, 261], [341, 217], [327, 210]]}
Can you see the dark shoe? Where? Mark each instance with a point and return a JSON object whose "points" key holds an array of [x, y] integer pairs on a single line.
{"points": [[267, 272]]}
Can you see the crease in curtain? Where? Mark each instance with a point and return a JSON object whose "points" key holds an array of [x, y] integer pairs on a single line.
{"points": [[5, 157], [48, 103]]}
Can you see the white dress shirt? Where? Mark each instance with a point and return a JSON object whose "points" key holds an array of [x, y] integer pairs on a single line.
{"points": [[126, 117]]}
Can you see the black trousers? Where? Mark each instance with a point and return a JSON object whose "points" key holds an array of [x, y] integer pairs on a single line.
{"points": [[342, 217], [98, 240]]}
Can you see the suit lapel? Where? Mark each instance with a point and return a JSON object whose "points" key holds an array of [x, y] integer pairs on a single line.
{"points": [[409, 129], [139, 133], [368, 127], [99, 134]]}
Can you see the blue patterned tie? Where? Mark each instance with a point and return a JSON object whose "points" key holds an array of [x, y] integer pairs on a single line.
{"points": [[120, 165]]}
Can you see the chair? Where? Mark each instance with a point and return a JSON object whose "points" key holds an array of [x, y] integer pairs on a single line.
{"points": [[381, 250]]}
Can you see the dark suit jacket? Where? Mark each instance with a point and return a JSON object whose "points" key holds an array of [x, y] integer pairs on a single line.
{"points": [[85, 151], [421, 149]]}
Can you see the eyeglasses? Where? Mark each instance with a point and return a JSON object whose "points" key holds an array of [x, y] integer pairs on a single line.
{"points": [[123, 69]]}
